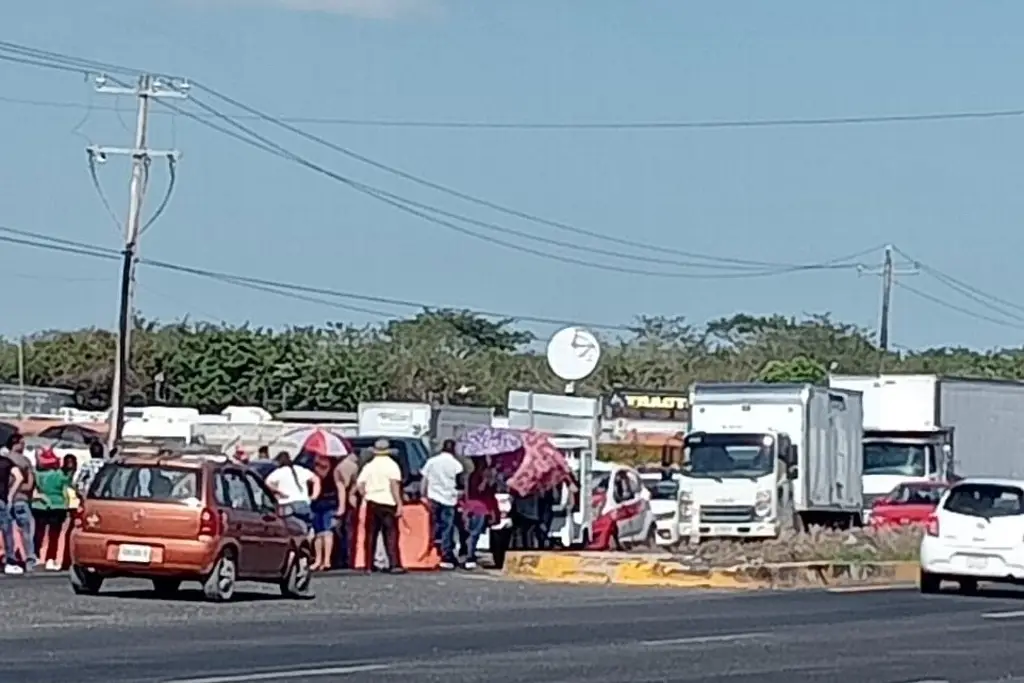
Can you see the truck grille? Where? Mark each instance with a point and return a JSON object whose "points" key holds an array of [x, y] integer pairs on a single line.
{"points": [[726, 514]]}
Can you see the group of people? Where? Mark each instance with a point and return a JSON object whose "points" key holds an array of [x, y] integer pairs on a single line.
{"points": [[463, 498], [35, 501], [326, 493]]}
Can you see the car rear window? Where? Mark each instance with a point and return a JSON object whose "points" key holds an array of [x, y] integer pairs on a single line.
{"points": [[986, 500], [149, 483]]}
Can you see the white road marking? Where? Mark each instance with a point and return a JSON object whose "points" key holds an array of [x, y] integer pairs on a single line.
{"points": [[287, 674], [74, 622], [1017, 614], [700, 640], [873, 589]]}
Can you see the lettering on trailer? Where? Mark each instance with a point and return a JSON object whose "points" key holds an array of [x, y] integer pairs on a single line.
{"points": [[648, 405]]}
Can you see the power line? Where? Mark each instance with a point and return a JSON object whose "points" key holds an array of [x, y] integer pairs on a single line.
{"points": [[745, 266], [588, 126], [953, 307], [46, 242], [994, 303], [420, 210], [445, 189]]}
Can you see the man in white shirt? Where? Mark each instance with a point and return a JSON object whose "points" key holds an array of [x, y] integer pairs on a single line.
{"points": [[294, 485], [440, 486], [380, 485]]}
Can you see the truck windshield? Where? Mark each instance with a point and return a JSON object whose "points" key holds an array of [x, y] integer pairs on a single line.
{"points": [[903, 459], [720, 456]]}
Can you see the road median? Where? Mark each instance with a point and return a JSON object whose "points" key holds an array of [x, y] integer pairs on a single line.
{"points": [[652, 570]]}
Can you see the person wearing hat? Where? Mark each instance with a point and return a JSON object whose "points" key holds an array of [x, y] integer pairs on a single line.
{"points": [[380, 486]]}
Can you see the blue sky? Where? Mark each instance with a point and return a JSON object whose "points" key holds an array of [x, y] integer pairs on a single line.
{"points": [[945, 192]]}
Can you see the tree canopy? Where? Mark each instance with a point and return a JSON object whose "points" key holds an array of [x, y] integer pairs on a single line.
{"points": [[453, 356]]}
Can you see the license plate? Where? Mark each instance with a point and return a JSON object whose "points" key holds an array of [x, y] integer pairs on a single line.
{"points": [[977, 563], [134, 553], [720, 530]]}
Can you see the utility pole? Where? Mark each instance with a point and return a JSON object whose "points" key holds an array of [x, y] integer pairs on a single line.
{"points": [[888, 274], [148, 88]]}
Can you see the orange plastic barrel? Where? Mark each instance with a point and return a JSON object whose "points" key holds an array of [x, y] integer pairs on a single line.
{"points": [[415, 539]]}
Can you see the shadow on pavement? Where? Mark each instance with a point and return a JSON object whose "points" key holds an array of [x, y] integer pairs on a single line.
{"points": [[188, 596]]}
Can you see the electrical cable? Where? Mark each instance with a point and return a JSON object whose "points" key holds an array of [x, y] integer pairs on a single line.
{"points": [[711, 124], [410, 206], [46, 242], [419, 209], [990, 301], [953, 307]]}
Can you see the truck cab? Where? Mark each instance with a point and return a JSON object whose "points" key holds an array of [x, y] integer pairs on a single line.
{"points": [[894, 458], [733, 483]]}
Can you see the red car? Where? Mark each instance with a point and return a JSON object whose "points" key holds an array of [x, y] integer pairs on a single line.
{"points": [[907, 504]]}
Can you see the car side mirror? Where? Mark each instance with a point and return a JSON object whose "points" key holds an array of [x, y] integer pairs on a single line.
{"points": [[880, 502], [285, 510]]}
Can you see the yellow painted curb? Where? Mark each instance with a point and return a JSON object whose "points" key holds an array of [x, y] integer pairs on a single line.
{"points": [[654, 570]]}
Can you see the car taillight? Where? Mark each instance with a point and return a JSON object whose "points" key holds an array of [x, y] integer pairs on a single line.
{"points": [[209, 523], [932, 526]]}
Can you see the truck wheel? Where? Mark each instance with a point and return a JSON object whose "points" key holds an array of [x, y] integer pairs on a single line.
{"points": [[84, 582], [219, 585]]}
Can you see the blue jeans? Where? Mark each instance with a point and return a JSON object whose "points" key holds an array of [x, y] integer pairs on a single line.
{"points": [[20, 515], [476, 525], [444, 530]]}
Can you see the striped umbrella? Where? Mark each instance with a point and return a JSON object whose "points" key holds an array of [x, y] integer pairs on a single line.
{"points": [[322, 441]]}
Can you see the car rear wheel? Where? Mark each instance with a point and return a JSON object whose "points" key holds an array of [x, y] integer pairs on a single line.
{"points": [[84, 582], [166, 588], [219, 585], [297, 583], [929, 583]]}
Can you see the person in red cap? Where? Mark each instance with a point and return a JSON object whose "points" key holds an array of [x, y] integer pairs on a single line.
{"points": [[50, 506]]}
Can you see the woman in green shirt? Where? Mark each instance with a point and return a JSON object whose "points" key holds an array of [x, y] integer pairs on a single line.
{"points": [[50, 506]]}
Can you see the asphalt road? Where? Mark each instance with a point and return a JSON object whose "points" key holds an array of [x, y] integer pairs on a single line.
{"points": [[459, 629]]}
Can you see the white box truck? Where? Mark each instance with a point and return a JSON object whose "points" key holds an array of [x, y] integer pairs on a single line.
{"points": [[935, 428], [761, 458]]}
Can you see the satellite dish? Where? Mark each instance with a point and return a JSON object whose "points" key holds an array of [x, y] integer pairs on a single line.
{"points": [[573, 353]]}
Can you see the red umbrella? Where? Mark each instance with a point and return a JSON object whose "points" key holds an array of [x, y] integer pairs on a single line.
{"points": [[321, 441]]}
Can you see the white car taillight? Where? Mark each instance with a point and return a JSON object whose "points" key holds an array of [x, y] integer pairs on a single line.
{"points": [[932, 526]]}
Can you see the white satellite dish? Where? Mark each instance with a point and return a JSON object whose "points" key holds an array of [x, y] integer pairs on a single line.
{"points": [[573, 353]]}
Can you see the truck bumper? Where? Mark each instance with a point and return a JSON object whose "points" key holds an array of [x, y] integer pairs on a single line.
{"points": [[766, 529]]}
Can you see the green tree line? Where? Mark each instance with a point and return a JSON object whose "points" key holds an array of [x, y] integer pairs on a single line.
{"points": [[438, 354]]}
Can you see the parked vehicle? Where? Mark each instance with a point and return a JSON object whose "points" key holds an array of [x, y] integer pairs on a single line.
{"points": [[188, 517], [764, 457], [663, 488], [976, 534], [907, 504], [934, 428], [622, 510]]}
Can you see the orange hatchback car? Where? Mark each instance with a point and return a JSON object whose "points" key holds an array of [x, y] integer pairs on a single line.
{"points": [[181, 517]]}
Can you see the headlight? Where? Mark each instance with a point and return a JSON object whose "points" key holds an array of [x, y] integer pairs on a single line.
{"points": [[763, 504]]}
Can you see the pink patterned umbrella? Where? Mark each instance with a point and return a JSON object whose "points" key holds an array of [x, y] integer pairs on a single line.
{"points": [[321, 441]]}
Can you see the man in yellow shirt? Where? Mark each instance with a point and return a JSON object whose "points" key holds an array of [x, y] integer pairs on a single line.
{"points": [[380, 485]]}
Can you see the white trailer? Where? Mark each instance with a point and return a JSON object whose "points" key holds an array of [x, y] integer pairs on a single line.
{"points": [[935, 428], [764, 457]]}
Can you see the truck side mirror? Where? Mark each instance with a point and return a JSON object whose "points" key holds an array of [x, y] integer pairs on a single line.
{"points": [[794, 471]]}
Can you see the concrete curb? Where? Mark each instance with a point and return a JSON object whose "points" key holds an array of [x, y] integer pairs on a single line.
{"points": [[665, 571]]}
